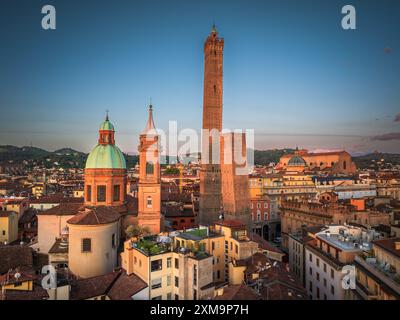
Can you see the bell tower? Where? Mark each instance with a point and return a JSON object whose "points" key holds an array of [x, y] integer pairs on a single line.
{"points": [[149, 195], [210, 173]]}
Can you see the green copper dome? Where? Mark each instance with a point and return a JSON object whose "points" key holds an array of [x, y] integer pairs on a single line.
{"points": [[105, 157], [107, 125]]}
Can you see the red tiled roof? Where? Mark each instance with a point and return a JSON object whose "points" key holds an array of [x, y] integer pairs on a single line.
{"points": [[63, 209], [14, 256], [38, 293], [126, 286], [92, 287], [238, 292], [95, 216], [116, 285], [231, 223]]}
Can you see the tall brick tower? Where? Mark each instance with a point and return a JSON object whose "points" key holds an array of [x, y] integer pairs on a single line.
{"points": [[210, 174], [149, 195]]}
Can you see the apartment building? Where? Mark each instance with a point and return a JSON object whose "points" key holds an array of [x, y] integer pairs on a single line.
{"points": [[328, 258], [170, 273], [378, 271]]}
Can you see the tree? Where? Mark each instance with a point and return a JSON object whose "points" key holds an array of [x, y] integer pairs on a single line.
{"points": [[136, 231]]}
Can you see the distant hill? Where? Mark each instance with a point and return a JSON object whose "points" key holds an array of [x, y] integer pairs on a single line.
{"points": [[265, 157], [374, 160], [70, 158], [65, 157]]}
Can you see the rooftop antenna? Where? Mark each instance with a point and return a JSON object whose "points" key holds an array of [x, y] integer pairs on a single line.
{"points": [[107, 114]]}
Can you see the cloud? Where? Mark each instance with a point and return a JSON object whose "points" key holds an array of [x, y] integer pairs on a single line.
{"points": [[397, 118], [387, 137]]}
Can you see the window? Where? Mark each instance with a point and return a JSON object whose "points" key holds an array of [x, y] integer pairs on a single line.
{"points": [[169, 296], [149, 202], [258, 205], [88, 193], [101, 193], [236, 249], [310, 286], [176, 263], [169, 262], [156, 265], [310, 257], [156, 283], [213, 246], [317, 276], [4, 232], [317, 262], [116, 192], [177, 282], [176, 297], [86, 245], [324, 267], [332, 274], [113, 242], [194, 275], [265, 205], [168, 280], [325, 282], [332, 289], [317, 293], [149, 168], [218, 274]]}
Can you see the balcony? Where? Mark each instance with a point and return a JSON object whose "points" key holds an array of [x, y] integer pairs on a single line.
{"points": [[377, 269]]}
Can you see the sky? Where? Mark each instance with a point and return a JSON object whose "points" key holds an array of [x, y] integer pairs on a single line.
{"points": [[291, 72]]}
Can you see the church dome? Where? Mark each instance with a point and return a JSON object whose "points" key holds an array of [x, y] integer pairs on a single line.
{"points": [[106, 156], [106, 125], [297, 161]]}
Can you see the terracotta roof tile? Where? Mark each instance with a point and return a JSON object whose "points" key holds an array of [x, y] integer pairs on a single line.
{"points": [[126, 286], [95, 216], [63, 209], [92, 287], [238, 292], [14, 256]]}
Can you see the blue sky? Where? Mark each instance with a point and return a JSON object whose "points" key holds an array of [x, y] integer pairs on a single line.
{"points": [[291, 72]]}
